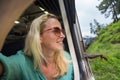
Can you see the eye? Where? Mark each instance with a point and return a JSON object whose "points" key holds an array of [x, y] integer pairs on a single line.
{"points": [[57, 30]]}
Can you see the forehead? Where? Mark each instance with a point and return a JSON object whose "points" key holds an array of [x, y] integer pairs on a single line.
{"points": [[52, 22]]}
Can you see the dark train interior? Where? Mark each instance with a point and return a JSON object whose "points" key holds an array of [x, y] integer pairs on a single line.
{"points": [[16, 37]]}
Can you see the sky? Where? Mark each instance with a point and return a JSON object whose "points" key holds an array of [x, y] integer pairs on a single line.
{"points": [[87, 12]]}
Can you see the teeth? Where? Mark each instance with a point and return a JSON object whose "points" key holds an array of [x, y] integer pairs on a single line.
{"points": [[59, 42]]}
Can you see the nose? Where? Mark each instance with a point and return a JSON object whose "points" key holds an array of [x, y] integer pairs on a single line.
{"points": [[62, 35]]}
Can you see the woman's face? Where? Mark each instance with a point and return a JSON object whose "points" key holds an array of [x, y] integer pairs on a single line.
{"points": [[52, 36]]}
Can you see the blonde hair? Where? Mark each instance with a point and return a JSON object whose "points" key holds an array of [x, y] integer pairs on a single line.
{"points": [[33, 47]]}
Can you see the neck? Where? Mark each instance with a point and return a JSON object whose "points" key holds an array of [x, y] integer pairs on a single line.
{"points": [[50, 59], [49, 55]]}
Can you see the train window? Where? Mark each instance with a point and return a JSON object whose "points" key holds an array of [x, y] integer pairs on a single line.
{"points": [[63, 9]]}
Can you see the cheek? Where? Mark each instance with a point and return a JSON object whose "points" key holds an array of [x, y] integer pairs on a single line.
{"points": [[48, 39]]}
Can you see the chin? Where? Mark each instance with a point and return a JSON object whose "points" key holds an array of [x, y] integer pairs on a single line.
{"points": [[59, 48]]}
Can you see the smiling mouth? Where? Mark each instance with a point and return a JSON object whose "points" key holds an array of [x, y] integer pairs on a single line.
{"points": [[60, 42]]}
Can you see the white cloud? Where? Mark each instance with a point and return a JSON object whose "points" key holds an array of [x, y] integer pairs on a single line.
{"points": [[87, 11]]}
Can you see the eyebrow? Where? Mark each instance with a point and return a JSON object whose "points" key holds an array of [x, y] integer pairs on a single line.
{"points": [[50, 29]]}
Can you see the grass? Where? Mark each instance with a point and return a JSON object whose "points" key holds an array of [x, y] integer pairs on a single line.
{"points": [[108, 44]]}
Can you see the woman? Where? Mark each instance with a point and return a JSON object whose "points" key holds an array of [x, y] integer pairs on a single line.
{"points": [[43, 57]]}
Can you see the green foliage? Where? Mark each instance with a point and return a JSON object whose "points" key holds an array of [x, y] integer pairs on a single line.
{"points": [[110, 34], [108, 44], [107, 70]]}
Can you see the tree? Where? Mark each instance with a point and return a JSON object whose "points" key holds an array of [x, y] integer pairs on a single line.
{"points": [[110, 7], [96, 27]]}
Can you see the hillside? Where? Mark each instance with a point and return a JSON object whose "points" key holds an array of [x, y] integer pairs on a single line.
{"points": [[108, 44]]}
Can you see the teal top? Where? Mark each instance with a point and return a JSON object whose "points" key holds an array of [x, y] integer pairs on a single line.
{"points": [[21, 67]]}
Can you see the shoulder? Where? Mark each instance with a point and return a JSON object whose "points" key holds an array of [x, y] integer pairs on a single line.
{"points": [[67, 54], [19, 57], [22, 57]]}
